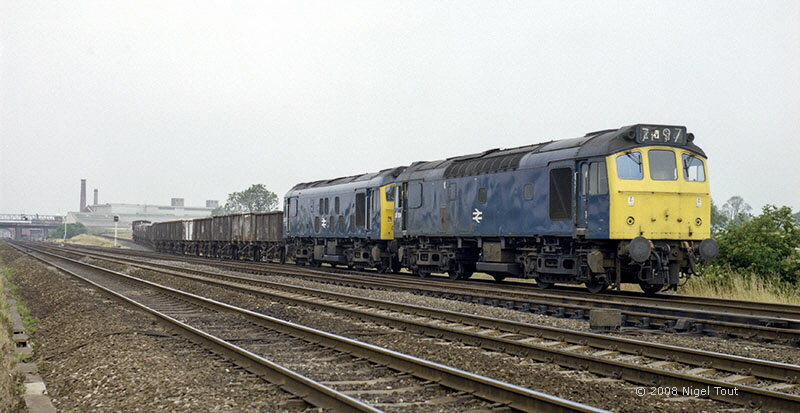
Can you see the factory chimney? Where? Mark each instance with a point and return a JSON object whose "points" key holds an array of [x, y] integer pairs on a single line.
{"points": [[95, 197], [83, 196]]}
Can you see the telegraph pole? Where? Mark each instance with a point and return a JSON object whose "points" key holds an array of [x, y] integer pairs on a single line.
{"points": [[65, 227]]}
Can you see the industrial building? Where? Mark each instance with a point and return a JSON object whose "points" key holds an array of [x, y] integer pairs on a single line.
{"points": [[102, 215]]}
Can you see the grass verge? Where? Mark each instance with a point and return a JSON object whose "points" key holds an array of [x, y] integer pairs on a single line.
{"points": [[727, 283], [10, 379]]}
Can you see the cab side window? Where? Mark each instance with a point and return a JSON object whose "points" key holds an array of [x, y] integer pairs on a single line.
{"points": [[629, 166], [560, 194], [693, 170], [598, 178], [414, 194], [361, 210]]}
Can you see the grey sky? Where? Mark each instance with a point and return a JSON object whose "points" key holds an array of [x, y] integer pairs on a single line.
{"points": [[153, 100]]}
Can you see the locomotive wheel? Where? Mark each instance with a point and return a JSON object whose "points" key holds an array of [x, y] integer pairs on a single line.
{"points": [[498, 277], [423, 274], [595, 287], [651, 289], [461, 272], [542, 284], [396, 267], [383, 267]]}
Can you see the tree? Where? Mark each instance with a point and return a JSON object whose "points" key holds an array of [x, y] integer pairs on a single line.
{"points": [[718, 219], [257, 198], [736, 210], [72, 230], [797, 218], [768, 244]]}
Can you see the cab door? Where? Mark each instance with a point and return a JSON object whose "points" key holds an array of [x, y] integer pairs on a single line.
{"points": [[582, 198]]}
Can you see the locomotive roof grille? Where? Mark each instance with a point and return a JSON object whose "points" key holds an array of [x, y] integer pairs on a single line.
{"points": [[479, 166], [347, 179]]}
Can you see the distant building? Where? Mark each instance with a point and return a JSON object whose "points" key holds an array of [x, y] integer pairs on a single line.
{"points": [[103, 215], [98, 215]]}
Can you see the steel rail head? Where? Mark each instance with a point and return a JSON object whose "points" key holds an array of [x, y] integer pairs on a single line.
{"points": [[726, 362], [316, 393], [655, 317], [517, 397], [626, 371]]}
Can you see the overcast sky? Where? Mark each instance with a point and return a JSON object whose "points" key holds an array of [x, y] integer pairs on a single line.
{"points": [[153, 100]]}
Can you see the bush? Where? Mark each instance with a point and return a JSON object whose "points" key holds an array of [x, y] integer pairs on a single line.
{"points": [[767, 245], [72, 230]]}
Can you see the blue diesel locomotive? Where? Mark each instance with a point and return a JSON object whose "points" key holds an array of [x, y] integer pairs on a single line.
{"points": [[628, 205]]}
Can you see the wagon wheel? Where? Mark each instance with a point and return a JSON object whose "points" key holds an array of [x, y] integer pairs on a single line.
{"points": [[543, 284], [650, 289], [595, 286], [423, 274]]}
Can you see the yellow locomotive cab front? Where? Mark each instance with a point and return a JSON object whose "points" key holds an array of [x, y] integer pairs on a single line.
{"points": [[660, 193]]}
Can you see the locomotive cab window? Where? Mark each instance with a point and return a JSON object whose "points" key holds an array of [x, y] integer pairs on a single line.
{"points": [[598, 178], [415, 194], [401, 195], [389, 191], [662, 165], [560, 194], [361, 210], [693, 169], [629, 166]]}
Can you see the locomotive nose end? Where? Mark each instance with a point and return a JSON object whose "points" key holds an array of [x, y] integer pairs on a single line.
{"points": [[639, 249], [708, 249]]}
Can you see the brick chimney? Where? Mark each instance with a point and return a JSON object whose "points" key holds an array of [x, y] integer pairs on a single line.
{"points": [[83, 195]]}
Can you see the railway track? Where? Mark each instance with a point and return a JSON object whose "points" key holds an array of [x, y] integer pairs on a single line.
{"points": [[755, 383], [325, 369], [779, 323], [773, 311]]}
